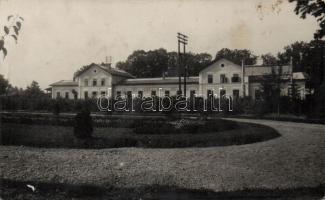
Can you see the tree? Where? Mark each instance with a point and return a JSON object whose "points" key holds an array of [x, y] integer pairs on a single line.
{"points": [[269, 59], [83, 125], [196, 62], [4, 85], [11, 31], [34, 91], [237, 55], [271, 90], [305, 57], [155, 62], [136, 64], [315, 8]]}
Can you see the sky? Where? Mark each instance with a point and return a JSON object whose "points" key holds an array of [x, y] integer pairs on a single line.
{"points": [[60, 36]]}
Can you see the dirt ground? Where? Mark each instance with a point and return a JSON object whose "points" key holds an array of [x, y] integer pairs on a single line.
{"points": [[296, 159]]}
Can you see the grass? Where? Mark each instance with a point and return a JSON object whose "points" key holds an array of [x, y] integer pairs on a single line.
{"points": [[62, 136], [18, 190]]}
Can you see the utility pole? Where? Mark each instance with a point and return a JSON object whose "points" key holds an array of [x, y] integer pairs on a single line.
{"points": [[179, 68], [243, 78], [182, 39]]}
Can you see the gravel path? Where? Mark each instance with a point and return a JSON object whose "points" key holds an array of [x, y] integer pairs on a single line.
{"points": [[296, 159]]}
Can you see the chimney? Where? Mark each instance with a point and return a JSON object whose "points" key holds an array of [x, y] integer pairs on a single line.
{"points": [[108, 63]]}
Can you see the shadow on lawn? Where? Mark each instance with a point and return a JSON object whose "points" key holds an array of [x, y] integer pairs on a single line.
{"points": [[19, 190]]}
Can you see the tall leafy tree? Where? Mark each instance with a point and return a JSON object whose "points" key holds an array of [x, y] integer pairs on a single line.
{"points": [[271, 89], [305, 57], [136, 64], [196, 62], [155, 62], [269, 59], [4, 85], [237, 55], [34, 90]]}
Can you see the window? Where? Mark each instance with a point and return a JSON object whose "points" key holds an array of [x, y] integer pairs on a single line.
{"points": [[222, 65], [140, 94], [94, 82], [167, 93], [58, 95], [223, 78], [222, 93], [210, 78], [153, 93], [235, 93], [118, 93], [296, 92], [94, 94], [86, 94], [86, 82], [102, 83], [66, 95], [235, 78], [103, 93]]}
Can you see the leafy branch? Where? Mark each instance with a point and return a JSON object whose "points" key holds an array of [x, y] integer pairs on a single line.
{"points": [[11, 30], [315, 8]]}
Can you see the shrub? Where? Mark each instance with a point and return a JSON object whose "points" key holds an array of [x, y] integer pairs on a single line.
{"points": [[56, 108], [83, 126], [158, 127]]}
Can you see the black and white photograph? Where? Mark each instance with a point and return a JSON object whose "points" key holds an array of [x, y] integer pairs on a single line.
{"points": [[162, 99]]}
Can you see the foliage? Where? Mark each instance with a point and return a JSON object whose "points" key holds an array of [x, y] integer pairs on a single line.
{"points": [[320, 102], [269, 59], [271, 88], [237, 56], [11, 31], [163, 127], [4, 85], [62, 137], [34, 91], [156, 62], [305, 57], [83, 126], [315, 8]]}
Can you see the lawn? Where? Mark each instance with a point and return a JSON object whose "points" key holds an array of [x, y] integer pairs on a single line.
{"points": [[18, 190]]}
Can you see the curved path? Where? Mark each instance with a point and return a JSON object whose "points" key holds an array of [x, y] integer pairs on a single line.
{"points": [[296, 159]]}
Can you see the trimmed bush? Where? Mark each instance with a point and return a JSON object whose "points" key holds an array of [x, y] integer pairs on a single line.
{"points": [[83, 126]]}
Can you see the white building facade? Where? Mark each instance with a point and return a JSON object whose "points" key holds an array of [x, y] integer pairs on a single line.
{"points": [[221, 77]]}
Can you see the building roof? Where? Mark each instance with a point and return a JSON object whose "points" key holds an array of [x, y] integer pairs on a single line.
{"points": [[107, 68], [65, 83], [300, 75], [153, 81]]}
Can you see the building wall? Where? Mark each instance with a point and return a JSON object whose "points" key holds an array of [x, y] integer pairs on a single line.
{"points": [[62, 90], [263, 70], [253, 87], [112, 82], [146, 89], [216, 69], [91, 74]]}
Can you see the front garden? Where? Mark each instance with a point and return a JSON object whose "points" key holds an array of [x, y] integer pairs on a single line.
{"points": [[109, 132]]}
